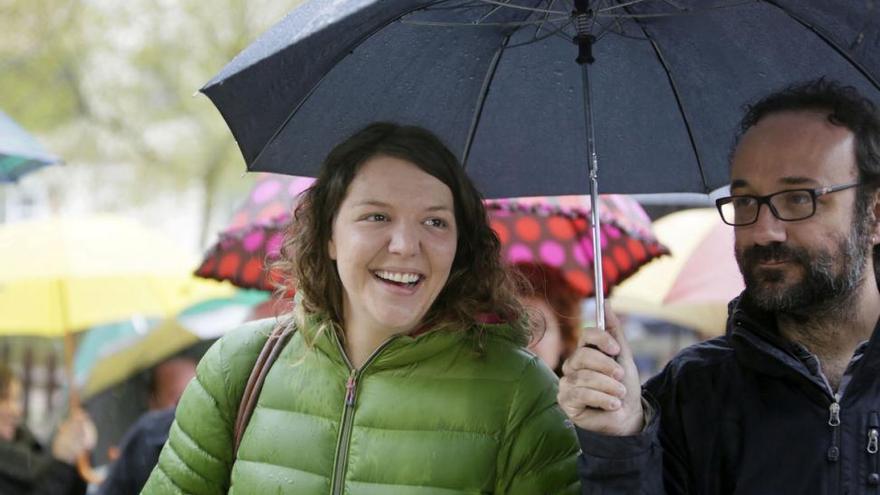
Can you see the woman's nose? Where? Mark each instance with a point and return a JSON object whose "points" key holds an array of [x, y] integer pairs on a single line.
{"points": [[404, 240]]}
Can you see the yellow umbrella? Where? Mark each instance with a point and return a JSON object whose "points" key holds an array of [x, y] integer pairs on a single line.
{"points": [[63, 275], [692, 285], [68, 274]]}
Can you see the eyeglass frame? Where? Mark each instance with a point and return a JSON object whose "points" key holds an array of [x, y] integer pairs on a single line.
{"points": [[815, 193]]}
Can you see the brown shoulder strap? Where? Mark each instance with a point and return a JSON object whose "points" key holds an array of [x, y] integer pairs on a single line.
{"points": [[267, 357]]}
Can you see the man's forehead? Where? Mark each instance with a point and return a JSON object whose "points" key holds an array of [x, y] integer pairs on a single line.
{"points": [[794, 148]]}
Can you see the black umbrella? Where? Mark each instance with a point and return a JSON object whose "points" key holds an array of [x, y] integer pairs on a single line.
{"points": [[513, 86]]}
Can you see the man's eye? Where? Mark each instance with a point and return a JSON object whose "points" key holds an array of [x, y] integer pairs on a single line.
{"points": [[798, 198], [743, 202]]}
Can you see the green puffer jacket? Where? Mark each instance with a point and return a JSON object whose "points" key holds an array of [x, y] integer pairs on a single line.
{"points": [[425, 415]]}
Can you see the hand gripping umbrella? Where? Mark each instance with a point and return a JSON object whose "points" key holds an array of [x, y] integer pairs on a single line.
{"points": [[654, 88]]}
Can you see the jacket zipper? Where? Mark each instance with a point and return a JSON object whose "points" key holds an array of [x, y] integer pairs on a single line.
{"points": [[338, 481], [833, 454], [872, 447]]}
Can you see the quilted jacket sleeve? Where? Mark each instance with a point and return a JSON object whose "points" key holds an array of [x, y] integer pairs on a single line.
{"points": [[540, 448], [197, 458]]}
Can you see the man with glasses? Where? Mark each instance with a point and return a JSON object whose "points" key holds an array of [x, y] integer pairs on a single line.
{"points": [[788, 401]]}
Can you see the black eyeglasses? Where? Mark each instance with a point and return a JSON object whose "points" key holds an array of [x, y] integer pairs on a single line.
{"points": [[789, 205]]}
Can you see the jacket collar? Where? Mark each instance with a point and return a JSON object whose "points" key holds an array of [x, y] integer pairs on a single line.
{"points": [[754, 335], [401, 350]]}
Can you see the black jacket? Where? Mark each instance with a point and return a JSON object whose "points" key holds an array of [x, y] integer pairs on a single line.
{"points": [[27, 469], [742, 414], [140, 453]]}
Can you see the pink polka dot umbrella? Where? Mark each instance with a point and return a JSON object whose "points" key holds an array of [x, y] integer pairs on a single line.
{"points": [[556, 231], [255, 233], [550, 230]]}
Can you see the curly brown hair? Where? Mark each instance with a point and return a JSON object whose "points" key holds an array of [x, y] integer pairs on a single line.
{"points": [[478, 283]]}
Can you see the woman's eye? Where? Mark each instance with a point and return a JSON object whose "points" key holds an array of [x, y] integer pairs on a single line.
{"points": [[436, 222], [376, 217]]}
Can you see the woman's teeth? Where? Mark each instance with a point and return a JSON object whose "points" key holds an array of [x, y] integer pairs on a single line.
{"points": [[400, 278]]}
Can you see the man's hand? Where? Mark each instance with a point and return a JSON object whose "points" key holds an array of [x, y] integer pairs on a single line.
{"points": [[597, 392]]}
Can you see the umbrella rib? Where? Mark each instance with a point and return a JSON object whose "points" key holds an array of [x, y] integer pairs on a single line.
{"points": [[481, 24], [618, 6], [831, 43], [682, 12], [548, 34], [678, 102], [481, 100], [544, 20], [521, 7], [314, 88]]}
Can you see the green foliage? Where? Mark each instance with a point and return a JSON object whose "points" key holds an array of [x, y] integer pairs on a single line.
{"points": [[115, 82]]}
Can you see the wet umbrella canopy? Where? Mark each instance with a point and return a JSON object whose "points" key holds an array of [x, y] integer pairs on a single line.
{"points": [[499, 83], [539, 97]]}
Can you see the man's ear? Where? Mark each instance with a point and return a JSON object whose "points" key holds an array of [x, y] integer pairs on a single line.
{"points": [[875, 217]]}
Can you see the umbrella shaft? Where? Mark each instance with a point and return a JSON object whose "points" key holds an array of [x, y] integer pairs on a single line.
{"points": [[594, 200]]}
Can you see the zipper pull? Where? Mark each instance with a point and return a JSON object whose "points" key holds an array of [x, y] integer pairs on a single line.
{"points": [[349, 388], [873, 433], [834, 418]]}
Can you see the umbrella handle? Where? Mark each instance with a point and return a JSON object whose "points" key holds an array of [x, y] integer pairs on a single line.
{"points": [[86, 471]]}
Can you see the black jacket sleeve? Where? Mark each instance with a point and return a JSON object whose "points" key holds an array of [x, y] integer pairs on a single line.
{"points": [[623, 465]]}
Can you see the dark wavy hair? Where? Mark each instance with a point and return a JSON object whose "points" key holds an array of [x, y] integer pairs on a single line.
{"points": [[478, 282], [844, 106]]}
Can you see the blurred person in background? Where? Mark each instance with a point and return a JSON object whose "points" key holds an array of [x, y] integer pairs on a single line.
{"points": [[141, 444], [558, 305], [25, 466]]}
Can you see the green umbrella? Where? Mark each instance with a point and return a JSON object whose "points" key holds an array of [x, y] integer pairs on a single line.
{"points": [[110, 354], [20, 153]]}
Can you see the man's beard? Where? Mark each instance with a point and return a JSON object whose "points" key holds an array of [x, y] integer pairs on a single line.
{"points": [[824, 284]]}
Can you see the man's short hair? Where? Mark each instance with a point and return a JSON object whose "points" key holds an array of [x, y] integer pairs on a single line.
{"points": [[845, 107]]}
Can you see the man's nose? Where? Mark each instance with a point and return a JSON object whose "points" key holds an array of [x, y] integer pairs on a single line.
{"points": [[404, 240], [767, 228]]}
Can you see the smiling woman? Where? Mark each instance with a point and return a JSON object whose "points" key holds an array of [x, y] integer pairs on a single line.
{"points": [[407, 372]]}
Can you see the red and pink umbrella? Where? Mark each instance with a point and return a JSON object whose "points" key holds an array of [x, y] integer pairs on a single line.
{"points": [[555, 231]]}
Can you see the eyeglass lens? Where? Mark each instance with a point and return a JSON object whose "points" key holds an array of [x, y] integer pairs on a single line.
{"points": [[786, 205]]}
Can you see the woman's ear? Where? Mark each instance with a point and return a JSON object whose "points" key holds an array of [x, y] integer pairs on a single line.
{"points": [[331, 248]]}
